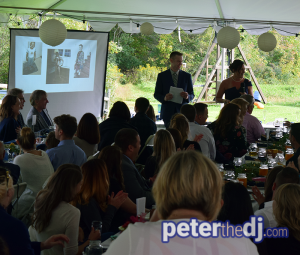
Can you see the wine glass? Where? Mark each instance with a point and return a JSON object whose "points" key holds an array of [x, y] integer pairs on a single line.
{"points": [[265, 115]]}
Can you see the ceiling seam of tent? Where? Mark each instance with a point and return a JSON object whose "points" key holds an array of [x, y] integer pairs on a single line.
{"points": [[159, 16], [219, 9]]}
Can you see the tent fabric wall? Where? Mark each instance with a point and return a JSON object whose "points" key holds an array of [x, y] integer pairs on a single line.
{"points": [[257, 16]]}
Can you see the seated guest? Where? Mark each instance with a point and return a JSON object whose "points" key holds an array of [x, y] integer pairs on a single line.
{"points": [[136, 186], [286, 175], [230, 137], [201, 113], [51, 141], [13, 231], [243, 104], [35, 167], [151, 114], [112, 156], [207, 142], [88, 135], [164, 147], [294, 137], [53, 212], [39, 101], [180, 122], [176, 137], [9, 112], [119, 117], [145, 127], [253, 126], [270, 179], [93, 199], [66, 152], [189, 185], [286, 212], [237, 207], [19, 93], [14, 170]]}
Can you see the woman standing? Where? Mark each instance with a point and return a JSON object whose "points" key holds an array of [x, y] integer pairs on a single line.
{"points": [[9, 111], [236, 85], [35, 168]]}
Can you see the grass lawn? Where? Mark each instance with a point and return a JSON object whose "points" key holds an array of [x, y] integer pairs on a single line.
{"points": [[283, 101]]}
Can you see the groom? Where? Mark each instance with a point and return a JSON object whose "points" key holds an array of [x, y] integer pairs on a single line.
{"points": [[176, 78]]}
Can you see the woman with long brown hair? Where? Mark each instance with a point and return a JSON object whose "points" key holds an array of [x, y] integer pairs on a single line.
{"points": [[9, 111], [230, 137], [164, 147], [88, 134], [93, 200], [53, 213]]}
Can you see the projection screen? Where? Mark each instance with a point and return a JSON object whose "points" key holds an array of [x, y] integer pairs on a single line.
{"points": [[72, 73]]}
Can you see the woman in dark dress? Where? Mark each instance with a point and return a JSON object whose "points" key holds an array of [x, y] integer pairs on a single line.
{"points": [[230, 137], [9, 126], [164, 147], [180, 122], [93, 200], [236, 85]]}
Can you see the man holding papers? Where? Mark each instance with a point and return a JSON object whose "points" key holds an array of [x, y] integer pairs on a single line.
{"points": [[173, 89]]}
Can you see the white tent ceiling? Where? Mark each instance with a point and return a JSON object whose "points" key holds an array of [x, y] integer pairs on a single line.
{"points": [[256, 16]]}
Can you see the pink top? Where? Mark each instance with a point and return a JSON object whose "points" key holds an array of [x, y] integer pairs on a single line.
{"points": [[253, 127]]}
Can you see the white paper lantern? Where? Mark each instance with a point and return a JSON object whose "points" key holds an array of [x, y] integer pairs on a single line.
{"points": [[147, 28], [228, 37], [267, 42], [52, 32]]}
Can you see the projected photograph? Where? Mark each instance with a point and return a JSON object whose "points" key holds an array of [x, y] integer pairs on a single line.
{"points": [[32, 59], [82, 63], [58, 66]]}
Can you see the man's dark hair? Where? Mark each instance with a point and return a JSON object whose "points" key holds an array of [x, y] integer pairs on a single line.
{"points": [[287, 175], [120, 110], [200, 108], [295, 131], [175, 53], [189, 112], [67, 123], [126, 137], [142, 104]]}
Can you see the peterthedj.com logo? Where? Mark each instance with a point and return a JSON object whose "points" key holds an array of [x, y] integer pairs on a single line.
{"points": [[254, 228]]}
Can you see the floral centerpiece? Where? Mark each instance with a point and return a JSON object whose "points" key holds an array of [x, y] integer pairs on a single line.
{"points": [[13, 148], [250, 169]]}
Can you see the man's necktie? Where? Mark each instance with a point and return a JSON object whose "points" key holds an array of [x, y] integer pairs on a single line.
{"points": [[175, 79]]}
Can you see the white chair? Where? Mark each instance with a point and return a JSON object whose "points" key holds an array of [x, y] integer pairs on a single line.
{"points": [[149, 142], [19, 189], [95, 156]]}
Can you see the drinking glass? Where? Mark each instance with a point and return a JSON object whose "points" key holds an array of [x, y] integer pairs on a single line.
{"points": [[262, 152], [253, 150], [280, 158], [289, 153], [265, 115], [263, 169], [237, 161], [243, 178], [97, 225]]}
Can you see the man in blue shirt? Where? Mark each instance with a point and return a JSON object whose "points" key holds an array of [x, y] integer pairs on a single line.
{"points": [[66, 152]]}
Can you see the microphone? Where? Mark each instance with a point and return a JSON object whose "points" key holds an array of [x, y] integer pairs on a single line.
{"points": [[242, 89]]}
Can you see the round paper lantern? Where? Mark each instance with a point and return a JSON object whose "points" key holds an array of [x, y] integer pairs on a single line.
{"points": [[147, 28], [52, 32], [267, 42], [228, 37]]}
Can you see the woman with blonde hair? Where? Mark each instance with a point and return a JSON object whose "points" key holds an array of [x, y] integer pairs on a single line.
{"points": [[35, 169], [286, 209], [93, 199], [194, 190], [14, 232], [180, 122], [164, 147], [230, 137], [243, 104]]}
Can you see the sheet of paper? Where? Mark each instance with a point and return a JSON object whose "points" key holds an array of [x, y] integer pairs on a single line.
{"points": [[140, 205], [176, 95], [33, 119]]}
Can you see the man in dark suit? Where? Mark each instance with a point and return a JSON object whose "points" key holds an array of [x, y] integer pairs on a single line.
{"points": [[14, 170], [135, 185], [295, 141], [144, 125], [173, 77]]}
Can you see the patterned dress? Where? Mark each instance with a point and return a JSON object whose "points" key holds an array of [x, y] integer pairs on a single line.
{"points": [[234, 144]]}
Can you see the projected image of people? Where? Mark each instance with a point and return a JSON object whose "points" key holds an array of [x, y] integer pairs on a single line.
{"points": [[33, 59], [58, 69], [82, 66]]}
